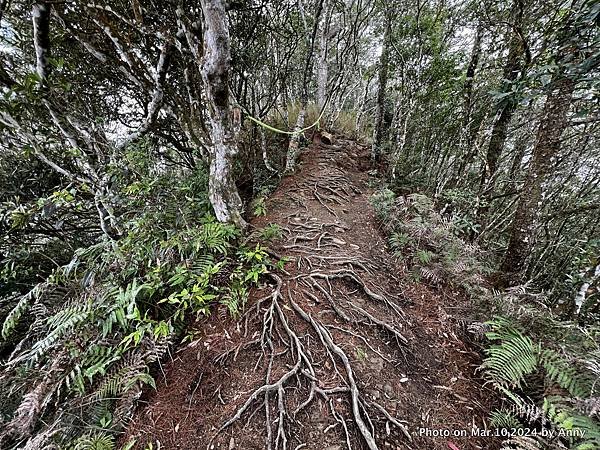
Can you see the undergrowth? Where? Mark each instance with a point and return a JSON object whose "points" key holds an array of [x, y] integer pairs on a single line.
{"points": [[544, 367], [86, 339], [428, 243]]}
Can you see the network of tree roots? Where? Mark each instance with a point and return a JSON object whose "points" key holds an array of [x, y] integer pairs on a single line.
{"points": [[338, 350]]}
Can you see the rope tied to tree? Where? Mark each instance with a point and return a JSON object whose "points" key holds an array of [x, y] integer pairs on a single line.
{"points": [[277, 130]]}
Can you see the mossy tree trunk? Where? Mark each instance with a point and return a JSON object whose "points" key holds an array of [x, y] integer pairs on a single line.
{"points": [[515, 65], [216, 64]]}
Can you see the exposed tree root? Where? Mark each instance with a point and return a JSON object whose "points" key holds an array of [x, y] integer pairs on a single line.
{"points": [[327, 340], [298, 349], [278, 332], [352, 276]]}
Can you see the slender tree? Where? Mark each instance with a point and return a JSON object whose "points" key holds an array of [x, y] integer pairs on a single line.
{"points": [[216, 65], [294, 144], [515, 63], [379, 131], [322, 67], [553, 124]]}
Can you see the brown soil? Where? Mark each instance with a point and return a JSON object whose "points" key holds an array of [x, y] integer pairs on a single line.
{"points": [[343, 297]]}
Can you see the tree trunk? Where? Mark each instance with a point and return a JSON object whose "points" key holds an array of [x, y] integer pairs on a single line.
{"points": [[263, 146], [322, 66], [361, 105], [521, 145], [402, 129], [379, 131], [40, 13], [3, 7], [514, 65], [216, 62], [552, 125], [294, 145], [508, 105], [469, 130]]}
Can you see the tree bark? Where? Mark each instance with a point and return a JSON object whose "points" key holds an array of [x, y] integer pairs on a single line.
{"points": [[469, 130], [551, 127], [40, 13], [263, 146], [514, 65], [3, 7], [402, 130], [322, 66], [294, 145], [216, 64], [379, 132], [507, 106]]}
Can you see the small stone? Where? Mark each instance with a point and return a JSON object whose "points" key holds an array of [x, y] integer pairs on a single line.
{"points": [[374, 394], [388, 389], [231, 443], [376, 363], [354, 246]]}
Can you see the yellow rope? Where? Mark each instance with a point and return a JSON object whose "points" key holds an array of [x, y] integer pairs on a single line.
{"points": [[276, 130]]}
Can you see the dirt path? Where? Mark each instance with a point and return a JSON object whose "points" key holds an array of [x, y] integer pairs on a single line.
{"points": [[342, 351]]}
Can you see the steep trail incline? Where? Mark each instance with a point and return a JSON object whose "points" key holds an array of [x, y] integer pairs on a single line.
{"points": [[339, 351]]}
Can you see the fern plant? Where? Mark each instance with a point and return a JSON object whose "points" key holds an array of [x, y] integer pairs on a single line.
{"points": [[95, 441], [398, 241], [424, 257], [511, 359], [428, 242], [504, 418], [271, 232], [259, 207], [105, 318]]}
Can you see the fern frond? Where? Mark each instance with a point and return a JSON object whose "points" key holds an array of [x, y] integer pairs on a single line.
{"points": [[215, 237], [398, 241], [504, 418], [26, 302], [62, 322], [566, 375], [202, 263], [95, 441], [12, 320], [510, 361], [581, 430], [431, 274]]}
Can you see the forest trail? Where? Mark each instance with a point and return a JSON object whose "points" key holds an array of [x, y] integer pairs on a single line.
{"points": [[343, 349]]}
